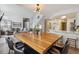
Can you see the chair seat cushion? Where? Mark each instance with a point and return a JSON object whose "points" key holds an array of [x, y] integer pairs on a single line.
{"points": [[19, 45], [56, 47]]}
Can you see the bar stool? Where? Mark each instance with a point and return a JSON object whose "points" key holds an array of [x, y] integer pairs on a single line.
{"points": [[72, 42]]}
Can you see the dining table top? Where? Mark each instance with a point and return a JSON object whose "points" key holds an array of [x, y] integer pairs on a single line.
{"points": [[40, 43]]}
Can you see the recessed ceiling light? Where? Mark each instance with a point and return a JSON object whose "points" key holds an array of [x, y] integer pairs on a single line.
{"points": [[63, 17]]}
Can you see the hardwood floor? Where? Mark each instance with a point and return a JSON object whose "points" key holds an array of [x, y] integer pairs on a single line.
{"points": [[73, 50]]}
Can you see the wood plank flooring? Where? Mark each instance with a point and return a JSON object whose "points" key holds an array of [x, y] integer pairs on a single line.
{"points": [[73, 50]]}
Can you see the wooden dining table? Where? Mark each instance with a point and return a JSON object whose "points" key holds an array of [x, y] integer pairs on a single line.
{"points": [[40, 43]]}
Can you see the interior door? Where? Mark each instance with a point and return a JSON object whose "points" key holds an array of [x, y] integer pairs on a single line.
{"points": [[26, 24]]}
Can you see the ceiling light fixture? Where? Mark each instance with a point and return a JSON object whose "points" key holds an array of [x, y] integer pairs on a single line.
{"points": [[63, 17], [37, 8]]}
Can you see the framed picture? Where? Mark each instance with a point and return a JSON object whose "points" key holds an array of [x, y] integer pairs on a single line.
{"points": [[16, 24]]}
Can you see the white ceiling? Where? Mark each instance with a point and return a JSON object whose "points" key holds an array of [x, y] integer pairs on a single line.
{"points": [[50, 9]]}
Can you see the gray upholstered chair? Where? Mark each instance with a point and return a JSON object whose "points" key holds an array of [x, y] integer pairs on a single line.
{"points": [[59, 50], [17, 47]]}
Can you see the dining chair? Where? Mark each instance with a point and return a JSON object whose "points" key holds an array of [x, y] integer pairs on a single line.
{"points": [[19, 48], [10, 44], [15, 47], [59, 50], [72, 42]]}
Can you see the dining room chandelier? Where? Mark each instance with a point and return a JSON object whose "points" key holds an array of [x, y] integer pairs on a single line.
{"points": [[37, 8]]}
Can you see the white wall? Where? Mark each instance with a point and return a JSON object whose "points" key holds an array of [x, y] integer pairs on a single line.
{"points": [[62, 12], [77, 19], [14, 12]]}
